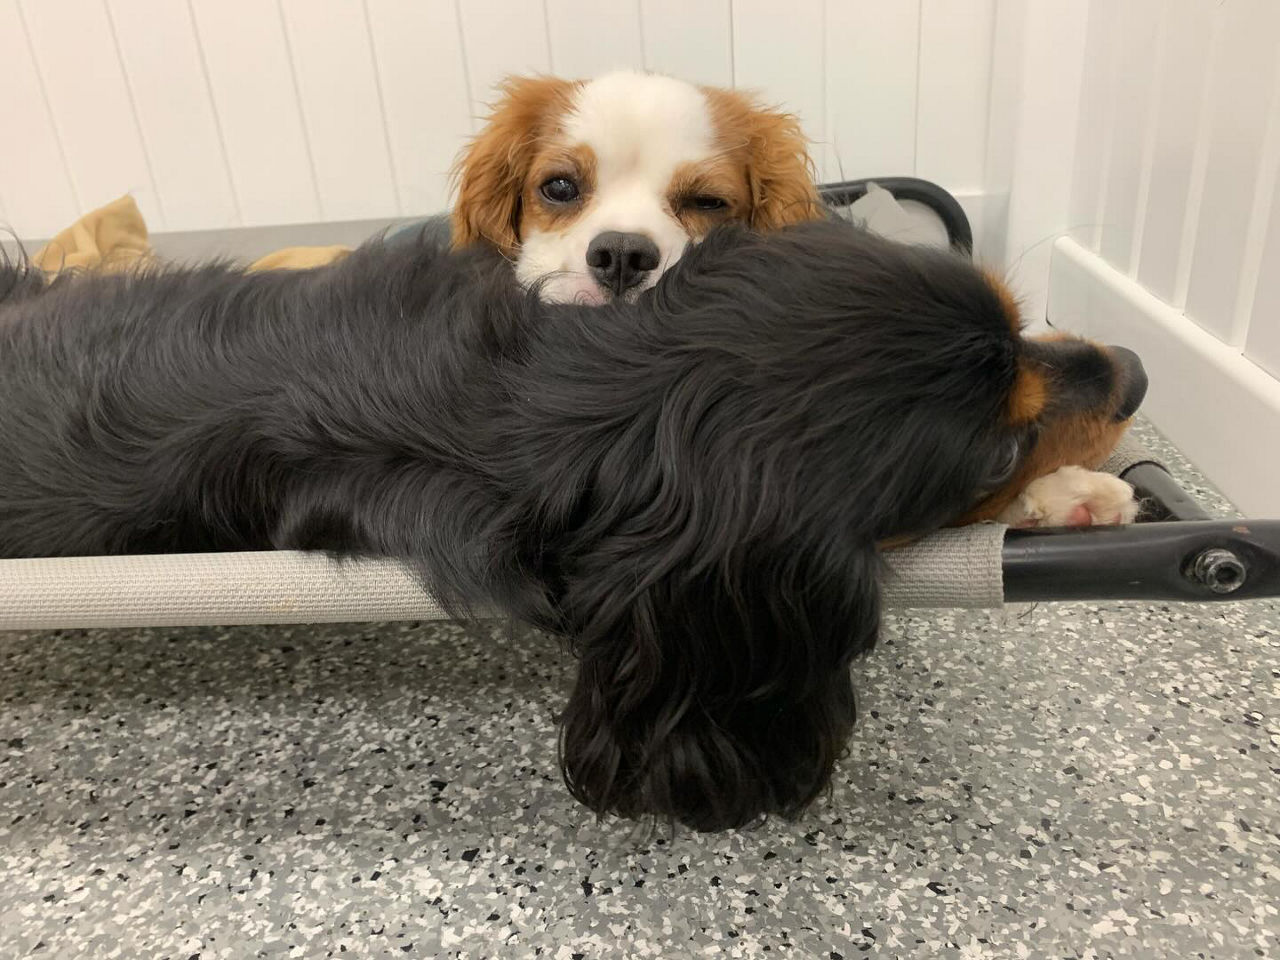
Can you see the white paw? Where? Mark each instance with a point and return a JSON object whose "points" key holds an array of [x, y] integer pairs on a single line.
{"points": [[1072, 497]]}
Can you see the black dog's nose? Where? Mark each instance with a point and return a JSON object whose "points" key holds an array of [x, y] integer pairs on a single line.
{"points": [[1133, 381], [621, 260]]}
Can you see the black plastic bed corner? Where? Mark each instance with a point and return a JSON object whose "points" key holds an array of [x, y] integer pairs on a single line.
{"points": [[911, 189]]}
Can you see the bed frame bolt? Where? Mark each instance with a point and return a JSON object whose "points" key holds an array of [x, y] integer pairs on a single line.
{"points": [[1218, 569]]}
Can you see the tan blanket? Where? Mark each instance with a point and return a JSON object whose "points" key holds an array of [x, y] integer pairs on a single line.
{"points": [[115, 237]]}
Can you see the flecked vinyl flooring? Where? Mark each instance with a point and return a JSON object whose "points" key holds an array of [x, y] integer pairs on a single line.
{"points": [[1075, 780]]}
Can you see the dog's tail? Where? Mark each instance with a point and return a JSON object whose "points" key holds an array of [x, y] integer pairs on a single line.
{"points": [[18, 278]]}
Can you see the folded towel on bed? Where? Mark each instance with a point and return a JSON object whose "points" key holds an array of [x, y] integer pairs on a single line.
{"points": [[114, 237]]}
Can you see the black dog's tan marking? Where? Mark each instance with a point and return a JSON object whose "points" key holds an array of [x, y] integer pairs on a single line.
{"points": [[690, 489]]}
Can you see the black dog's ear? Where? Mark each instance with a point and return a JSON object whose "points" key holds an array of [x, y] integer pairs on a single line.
{"points": [[716, 699]]}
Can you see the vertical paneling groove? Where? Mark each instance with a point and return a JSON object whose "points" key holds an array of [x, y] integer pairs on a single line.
{"points": [[338, 88], [1199, 165], [1263, 343], [546, 32], [589, 37], [693, 41], [36, 181], [48, 106], [732, 51], [1091, 126], [953, 92], [1178, 112], [249, 75], [644, 47], [133, 112], [466, 65], [382, 108], [1259, 213], [419, 39], [297, 100], [1147, 160], [217, 118], [1241, 99], [915, 104], [775, 61], [89, 98], [1132, 83], [1098, 220], [502, 38], [160, 58], [822, 167], [1135, 81], [869, 94]]}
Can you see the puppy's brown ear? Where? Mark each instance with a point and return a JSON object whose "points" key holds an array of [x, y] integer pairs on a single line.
{"points": [[780, 172], [491, 170]]}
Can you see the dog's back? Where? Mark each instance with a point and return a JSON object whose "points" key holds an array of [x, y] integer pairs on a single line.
{"points": [[18, 280], [158, 409]]}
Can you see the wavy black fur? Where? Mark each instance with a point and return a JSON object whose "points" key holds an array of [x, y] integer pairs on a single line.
{"points": [[690, 489]]}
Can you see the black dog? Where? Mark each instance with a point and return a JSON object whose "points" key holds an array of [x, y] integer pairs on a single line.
{"points": [[690, 488]]}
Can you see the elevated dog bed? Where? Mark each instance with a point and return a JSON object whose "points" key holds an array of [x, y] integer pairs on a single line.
{"points": [[1179, 553]]}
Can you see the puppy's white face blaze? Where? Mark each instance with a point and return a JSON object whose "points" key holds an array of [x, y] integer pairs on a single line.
{"points": [[633, 136]]}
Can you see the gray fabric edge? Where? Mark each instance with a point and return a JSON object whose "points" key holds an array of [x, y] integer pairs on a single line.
{"points": [[952, 568], [207, 589], [958, 568]]}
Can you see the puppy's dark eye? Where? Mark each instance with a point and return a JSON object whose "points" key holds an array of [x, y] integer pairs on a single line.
{"points": [[1005, 464], [704, 203], [560, 190]]}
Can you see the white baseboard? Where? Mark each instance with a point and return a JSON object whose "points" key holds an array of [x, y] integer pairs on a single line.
{"points": [[1219, 408]]}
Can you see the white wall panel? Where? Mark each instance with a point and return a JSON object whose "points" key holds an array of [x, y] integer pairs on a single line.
{"points": [[1260, 269], [781, 59], [256, 98], [689, 40], [591, 37], [76, 57], [1263, 343], [341, 107], [38, 194], [1242, 92], [1140, 23], [1094, 126], [162, 64], [1182, 176], [501, 38], [423, 79], [955, 80], [1037, 73], [871, 70], [1180, 113], [1222, 411]]}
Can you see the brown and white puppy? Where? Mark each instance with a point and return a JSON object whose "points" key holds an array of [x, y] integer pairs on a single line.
{"points": [[594, 188]]}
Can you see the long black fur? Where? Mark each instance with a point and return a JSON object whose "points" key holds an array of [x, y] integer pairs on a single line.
{"points": [[690, 488]]}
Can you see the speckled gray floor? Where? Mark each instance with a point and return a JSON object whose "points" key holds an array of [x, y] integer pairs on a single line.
{"points": [[1069, 781]]}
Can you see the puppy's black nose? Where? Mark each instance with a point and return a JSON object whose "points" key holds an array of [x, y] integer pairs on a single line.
{"points": [[619, 261], [1133, 381]]}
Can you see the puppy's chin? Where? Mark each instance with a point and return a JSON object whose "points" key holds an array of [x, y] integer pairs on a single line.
{"points": [[575, 288], [570, 288]]}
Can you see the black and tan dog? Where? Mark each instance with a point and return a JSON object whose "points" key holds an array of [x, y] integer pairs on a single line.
{"points": [[692, 488]]}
